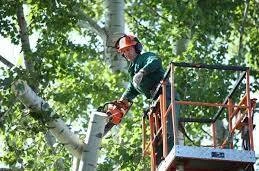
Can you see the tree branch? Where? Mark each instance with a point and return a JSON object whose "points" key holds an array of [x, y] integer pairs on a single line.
{"points": [[24, 38], [92, 142], [6, 62], [240, 46], [154, 11], [139, 23], [57, 126], [86, 22]]}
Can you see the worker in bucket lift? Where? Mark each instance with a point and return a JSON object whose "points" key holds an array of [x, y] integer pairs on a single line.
{"points": [[146, 72]]}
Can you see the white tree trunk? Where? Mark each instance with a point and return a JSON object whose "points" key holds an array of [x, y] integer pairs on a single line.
{"points": [[181, 46], [87, 151], [57, 127], [115, 26], [92, 141], [50, 139], [75, 164]]}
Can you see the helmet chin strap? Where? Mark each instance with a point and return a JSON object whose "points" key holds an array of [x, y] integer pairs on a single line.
{"points": [[125, 58]]}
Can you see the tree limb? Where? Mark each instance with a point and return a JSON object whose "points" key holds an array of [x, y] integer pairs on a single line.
{"points": [[155, 11], [242, 27], [92, 142], [139, 22], [24, 37], [57, 126], [6, 62], [87, 22]]}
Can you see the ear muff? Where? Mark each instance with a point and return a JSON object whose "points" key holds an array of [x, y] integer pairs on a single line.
{"points": [[138, 46]]}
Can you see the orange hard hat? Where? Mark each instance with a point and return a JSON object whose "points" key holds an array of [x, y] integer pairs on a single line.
{"points": [[125, 41]]}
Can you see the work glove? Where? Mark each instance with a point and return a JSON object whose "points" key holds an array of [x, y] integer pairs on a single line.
{"points": [[138, 78], [122, 103]]}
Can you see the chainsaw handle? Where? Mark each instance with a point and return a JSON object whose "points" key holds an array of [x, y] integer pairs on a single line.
{"points": [[102, 108]]}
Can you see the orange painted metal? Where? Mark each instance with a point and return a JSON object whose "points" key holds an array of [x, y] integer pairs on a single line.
{"points": [[168, 110], [173, 103], [250, 119], [158, 118], [147, 149], [143, 136], [238, 123], [230, 111], [153, 155], [164, 119], [157, 122], [241, 105], [238, 116], [206, 104]]}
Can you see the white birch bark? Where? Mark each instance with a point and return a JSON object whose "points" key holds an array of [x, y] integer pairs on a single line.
{"points": [[86, 22], [75, 164], [57, 126], [26, 48], [115, 25], [92, 141], [114, 28], [180, 48], [50, 139]]}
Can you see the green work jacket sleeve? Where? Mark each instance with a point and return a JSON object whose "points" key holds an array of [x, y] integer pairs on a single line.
{"points": [[130, 93], [153, 73]]}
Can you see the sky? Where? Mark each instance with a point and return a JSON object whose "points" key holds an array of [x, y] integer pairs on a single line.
{"points": [[8, 50], [13, 52]]}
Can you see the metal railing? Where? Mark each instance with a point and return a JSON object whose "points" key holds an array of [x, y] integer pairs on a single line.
{"points": [[239, 115]]}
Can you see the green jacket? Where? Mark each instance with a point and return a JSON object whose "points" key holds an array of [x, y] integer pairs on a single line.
{"points": [[154, 72]]}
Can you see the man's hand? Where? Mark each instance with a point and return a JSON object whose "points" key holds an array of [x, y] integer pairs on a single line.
{"points": [[122, 103], [138, 78]]}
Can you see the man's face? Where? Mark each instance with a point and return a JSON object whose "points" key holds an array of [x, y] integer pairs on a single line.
{"points": [[129, 53]]}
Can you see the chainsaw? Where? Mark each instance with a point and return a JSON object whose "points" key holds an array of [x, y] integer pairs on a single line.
{"points": [[115, 110]]}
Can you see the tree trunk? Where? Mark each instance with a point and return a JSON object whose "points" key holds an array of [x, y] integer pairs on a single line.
{"points": [[57, 126], [115, 26], [221, 132], [25, 39], [92, 141]]}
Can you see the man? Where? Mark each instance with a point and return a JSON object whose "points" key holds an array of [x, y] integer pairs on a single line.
{"points": [[145, 69], [146, 72]]}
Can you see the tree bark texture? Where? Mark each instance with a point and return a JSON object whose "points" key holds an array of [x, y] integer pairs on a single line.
{"points": [[92, 141], [57, 126]]}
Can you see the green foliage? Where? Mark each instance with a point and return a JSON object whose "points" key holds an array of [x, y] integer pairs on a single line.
{"points": [[65, 77], [123, 146], [74, 78], [8, 20]]}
